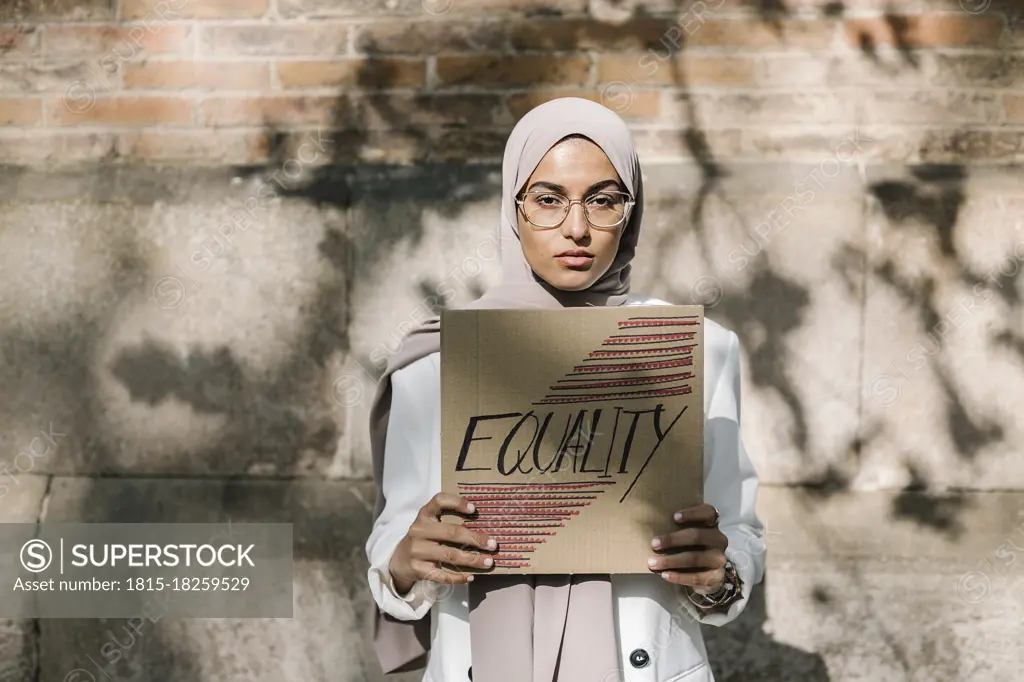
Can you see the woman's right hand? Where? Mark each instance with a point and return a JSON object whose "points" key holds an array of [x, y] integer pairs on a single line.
{"points": [[430, 542]]}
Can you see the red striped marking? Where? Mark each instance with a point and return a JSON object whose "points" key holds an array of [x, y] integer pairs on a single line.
{"points": [[501, 564], [647, 338], [485, 498], [612, 396], [535, 486], [491, 524], [573, 512], [640, 351], [524, 533], [639, 381], [632, 366], [521, 504], [658, 322], [514, 517]]}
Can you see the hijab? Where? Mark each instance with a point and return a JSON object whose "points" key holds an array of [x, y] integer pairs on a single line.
{"points": [[525, 628]]}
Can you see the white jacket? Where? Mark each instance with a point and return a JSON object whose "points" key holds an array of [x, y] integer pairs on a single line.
{"points": [[658, 628]]}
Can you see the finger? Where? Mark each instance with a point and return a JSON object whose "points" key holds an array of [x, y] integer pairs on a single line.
{"points": [[446, 502], [455, 534], [430, 571], [700, 515], [706, 581], [456, 556], [710, 538], [710, 559]]}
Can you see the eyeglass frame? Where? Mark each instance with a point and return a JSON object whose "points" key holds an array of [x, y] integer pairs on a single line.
{"points": [[630, 203]]}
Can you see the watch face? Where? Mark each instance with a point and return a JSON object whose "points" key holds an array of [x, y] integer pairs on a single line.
{"points": [[732, 583]]}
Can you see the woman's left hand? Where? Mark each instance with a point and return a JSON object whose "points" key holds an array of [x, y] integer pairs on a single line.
{"points": [[694, 555]]}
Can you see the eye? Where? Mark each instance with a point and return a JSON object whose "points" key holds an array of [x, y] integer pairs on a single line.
{"points": [[604, 200], [549, 199]]}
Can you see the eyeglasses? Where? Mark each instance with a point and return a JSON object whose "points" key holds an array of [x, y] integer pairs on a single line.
{"points": [[546, 210]]}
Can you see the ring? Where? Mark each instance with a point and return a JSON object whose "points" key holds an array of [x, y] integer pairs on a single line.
{"points": [[717, 516]]}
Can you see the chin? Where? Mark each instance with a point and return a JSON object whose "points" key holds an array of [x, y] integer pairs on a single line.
{"points": [[572, 280]]}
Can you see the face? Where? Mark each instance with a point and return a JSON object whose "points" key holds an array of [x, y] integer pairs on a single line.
{"points": [[575, 254]]}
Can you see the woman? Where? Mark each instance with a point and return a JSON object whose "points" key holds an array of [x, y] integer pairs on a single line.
{"points": [[572, 205]]}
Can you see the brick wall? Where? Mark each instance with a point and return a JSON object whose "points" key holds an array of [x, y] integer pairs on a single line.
{"points": [[230, 81]]}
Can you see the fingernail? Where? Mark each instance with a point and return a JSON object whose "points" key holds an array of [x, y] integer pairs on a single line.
{"points": [[652, 562], [664, 575], [491, 544], [471, 507], [656, 542], [678, 516], [469, 579], [488, 561]]}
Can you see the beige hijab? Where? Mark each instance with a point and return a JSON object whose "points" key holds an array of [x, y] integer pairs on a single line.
{"points": [[544, 628]]}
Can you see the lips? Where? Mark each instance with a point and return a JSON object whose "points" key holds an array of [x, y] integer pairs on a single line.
{"points": [[575, 258]]}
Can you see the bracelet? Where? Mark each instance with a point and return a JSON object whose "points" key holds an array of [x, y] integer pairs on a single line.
{"points": [[707, 601], [727, 594]]}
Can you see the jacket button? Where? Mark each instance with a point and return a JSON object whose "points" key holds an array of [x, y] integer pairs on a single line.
{"points": [[639, 658], [469, 673]]}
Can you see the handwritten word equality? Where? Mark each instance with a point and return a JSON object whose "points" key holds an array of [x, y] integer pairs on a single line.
{"points": [[516, 443]]}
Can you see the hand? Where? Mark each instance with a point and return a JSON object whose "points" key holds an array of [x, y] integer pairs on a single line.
{"points": [[431, 542], [695, 555]]}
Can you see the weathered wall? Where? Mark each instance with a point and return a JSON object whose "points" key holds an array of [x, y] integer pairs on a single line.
{"points": [[217, 218], [879, 311], [145, 334]]}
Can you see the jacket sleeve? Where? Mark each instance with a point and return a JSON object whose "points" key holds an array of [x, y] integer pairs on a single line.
{"points": [[730, 484], [406, 486]]}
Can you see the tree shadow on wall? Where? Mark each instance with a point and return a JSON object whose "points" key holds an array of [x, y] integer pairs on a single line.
{"points": [[934, 197], [931, 200], [271, 426], [267, 417], [384, 205]]}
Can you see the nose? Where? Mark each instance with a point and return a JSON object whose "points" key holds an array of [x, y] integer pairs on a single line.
{"points": [[575, 226]]}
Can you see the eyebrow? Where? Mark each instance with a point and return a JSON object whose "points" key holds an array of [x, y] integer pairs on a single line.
{"points": [[603, 184]]}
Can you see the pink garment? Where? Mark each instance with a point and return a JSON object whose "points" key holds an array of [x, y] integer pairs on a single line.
{"points": [[543, 628]]}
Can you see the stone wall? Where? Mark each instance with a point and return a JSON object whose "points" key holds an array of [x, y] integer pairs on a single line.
{"points": [[165, 328], [146, 333]]}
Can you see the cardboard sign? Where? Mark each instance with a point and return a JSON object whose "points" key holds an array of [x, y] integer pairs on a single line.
{"points": [[577, 433]]}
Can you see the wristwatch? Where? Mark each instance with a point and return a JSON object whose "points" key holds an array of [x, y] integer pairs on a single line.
{"points": [[729, 593]]}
